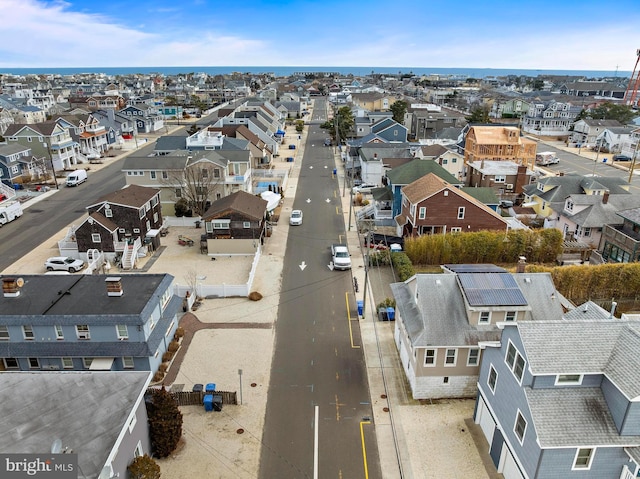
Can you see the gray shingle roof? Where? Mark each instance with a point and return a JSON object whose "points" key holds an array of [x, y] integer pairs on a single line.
{"points": [[85, 410], [573, 417], [608, 347]]}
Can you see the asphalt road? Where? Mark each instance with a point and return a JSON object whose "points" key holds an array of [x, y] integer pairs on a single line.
{"points": [[317, 364], [65, 207]]}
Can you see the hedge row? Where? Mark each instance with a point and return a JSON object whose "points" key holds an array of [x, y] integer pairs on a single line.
{"points": [[538, 246]]}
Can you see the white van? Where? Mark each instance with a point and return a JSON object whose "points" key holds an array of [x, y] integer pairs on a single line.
{"points": [[76, 177]]}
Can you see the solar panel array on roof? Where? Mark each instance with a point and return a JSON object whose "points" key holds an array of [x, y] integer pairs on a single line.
{"points": [[491, 289], [475, 268]]}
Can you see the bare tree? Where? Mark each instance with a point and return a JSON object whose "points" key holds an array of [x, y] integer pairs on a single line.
{"points": [[198, 184]]}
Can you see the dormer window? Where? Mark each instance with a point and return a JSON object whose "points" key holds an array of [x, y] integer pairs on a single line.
{"points": [[569, 205], [568, 379]]}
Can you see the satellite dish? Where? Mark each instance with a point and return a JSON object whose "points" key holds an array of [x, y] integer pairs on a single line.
{"points": [[56, 447], [20, 282]]}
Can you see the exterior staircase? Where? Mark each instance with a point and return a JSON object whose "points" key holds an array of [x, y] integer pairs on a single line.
{"points": [[130, 254]]}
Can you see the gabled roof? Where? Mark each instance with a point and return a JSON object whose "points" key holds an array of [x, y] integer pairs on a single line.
{"points": [[483, 194], [171, 143], [598, 213], [177, 160], [558, 347], [409, 172], [12, 148], [133, 196], [245, 203], [571, 184], [105, 222], [60, 402]]}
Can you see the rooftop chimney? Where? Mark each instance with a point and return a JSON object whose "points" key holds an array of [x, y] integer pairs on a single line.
{"points": [[114, 286], [11, 287], [522, 263], [605, 197]]}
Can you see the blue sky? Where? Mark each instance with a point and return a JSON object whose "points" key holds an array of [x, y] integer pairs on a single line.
{"points": [[541, 34]]}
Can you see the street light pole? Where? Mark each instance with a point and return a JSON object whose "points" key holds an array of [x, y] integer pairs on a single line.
{"points": [[633, 159]]}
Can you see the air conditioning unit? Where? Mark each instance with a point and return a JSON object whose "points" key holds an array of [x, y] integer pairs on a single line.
{"points": [[509, 186], [83, 335], [123, 339]]}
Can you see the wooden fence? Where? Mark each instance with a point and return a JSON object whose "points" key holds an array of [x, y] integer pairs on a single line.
{"points": [[190, 398]]}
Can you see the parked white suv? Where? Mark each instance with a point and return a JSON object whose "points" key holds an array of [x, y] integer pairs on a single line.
{"points": [[64, 263]]}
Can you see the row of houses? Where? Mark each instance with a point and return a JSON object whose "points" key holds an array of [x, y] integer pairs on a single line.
{"points": [[555, 385]]}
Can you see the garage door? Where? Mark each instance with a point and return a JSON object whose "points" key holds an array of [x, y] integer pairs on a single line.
{"points": [[485, 420], [510, 469]]}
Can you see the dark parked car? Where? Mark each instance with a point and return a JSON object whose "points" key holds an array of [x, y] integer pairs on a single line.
{"points": [[621, 158]]}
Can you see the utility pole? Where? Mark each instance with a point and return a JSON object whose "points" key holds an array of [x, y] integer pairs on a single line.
{"points": [[367, 243], [53, 169], [633, 159]]}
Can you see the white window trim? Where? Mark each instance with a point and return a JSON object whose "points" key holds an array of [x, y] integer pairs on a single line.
{"points": [[461, 212], [435, 358], [30, 330], [574, 467], [86, 362], [506, 316], [5, 329], [488, 321], [120, 335], [469, 357], [558, 382], [515, 361], [455, 357], [526, 424], [138, 450], [95, 237], [59, 331], [132, 424], [64, 366], [493, 390], [422, 213]]}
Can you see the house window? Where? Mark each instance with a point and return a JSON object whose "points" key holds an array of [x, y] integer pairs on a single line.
{"points": [[82, 331], [510, 316], [510, 358], [568, 379], [221, 225], [492, 380], [34, 363], [166, 296], [461, 212], [445, 380], [422, 213], [500, 179], [474, 355], [583, 458], [520, 427], [121, 330], [450, 357], [136, 230], [165, 175], [141, 213], [216, 173], [11, 363], [59, 332], [430, 357], [586, 232], [4, 333], [178, 192], [138, 452], [456, 229], [127, 362], [95, 237], [485, 317], [153, 175], [67, 363], [27, 332], [569, 206], [246, 224], [108, 212], [86, 362]]}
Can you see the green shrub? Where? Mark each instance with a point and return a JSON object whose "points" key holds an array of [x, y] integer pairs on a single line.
{"points": [[402, 265]]}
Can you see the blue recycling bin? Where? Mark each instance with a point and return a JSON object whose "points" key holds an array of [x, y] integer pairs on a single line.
{"points": [[292, 147], [335, 171], [208, 402], [360, 307], [391, 314], [209, 388]]}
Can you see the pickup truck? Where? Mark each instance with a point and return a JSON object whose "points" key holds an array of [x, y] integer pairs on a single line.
{"points": [[340, 256]]}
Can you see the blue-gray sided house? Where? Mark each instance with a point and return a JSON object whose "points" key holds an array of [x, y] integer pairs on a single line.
{"points": [[561, 399], [86, 322]]}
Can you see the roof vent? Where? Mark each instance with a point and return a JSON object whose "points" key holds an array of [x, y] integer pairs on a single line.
{"points": [[11, 287], [114, 286]]}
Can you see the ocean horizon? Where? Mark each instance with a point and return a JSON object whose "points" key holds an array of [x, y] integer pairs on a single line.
{"points": [[284, 71]]}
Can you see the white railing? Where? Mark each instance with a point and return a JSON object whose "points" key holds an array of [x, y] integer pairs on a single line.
{"points": [[627, 474], [7, 191]]}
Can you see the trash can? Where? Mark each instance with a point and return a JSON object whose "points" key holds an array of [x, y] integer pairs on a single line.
{"points": [[335, 171], [198, 223], [360, 307], [208, 402], [197, 388], [217, 402], [391, 313], [382, 314], [211, 387]]}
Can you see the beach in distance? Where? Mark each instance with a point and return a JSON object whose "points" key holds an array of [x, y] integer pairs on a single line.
{"points": [[283, 71]]}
